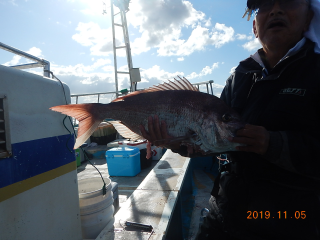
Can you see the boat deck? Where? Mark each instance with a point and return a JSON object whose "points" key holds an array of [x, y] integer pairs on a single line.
{"points": [[126, 185], [162, 177]]}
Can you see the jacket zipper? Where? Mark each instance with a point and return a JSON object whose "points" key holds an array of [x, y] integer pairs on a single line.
{"points": [[278, 75]]}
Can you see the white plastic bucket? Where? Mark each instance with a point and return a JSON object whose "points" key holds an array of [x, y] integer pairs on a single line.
{"points": [[96, 209]]}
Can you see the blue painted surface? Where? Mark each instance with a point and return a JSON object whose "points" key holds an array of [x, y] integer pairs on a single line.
{"points": [[187, 196], [32, 158], [121, 162]]}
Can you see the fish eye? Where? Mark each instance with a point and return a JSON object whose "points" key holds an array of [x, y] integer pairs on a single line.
{"points": [[226, 117]]}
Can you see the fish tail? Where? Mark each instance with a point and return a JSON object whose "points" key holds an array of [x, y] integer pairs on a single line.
{"points": [[87, 115]]}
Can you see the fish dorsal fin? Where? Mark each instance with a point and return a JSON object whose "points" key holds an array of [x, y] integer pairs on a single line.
{"points": [[177, 84], [124, 131]]}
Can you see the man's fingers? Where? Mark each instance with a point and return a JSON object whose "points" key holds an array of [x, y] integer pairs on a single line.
{"points": [[156, 132], [244, 133], [144, 133], [250, 131], [253, 133], [243, 140], [247, 149], [151, 130], [254, 138], [156, 126], [164, 132]]}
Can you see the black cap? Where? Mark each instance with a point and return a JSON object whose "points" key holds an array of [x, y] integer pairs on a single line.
{"points": [[251, 7], [251, 4]]}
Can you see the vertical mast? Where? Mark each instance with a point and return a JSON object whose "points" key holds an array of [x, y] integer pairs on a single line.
{"points": [[114, 51], [134, 73]]}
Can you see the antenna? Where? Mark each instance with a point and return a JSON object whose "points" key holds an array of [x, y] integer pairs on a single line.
{"points": [[104, 8]]}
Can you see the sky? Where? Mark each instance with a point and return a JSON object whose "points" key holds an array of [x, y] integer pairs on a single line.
{"points": [[198, 39]]}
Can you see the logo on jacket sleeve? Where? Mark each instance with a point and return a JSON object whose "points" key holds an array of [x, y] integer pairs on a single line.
{"points": [[294, 91]]}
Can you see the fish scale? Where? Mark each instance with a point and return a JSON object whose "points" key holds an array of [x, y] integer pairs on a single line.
{"points": [[177, 116], [195, 119]]}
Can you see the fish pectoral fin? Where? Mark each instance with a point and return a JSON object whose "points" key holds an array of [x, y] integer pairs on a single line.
{"points": [[125, 131]]}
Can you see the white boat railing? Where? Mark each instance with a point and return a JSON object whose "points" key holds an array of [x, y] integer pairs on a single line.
{"points": [[39, 62], [207, 83]]}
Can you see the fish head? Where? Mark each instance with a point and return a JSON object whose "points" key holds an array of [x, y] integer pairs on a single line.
{"points": [[220, 122]]}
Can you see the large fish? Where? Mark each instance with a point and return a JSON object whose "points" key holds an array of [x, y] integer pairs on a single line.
{"points": [[197, 120]]}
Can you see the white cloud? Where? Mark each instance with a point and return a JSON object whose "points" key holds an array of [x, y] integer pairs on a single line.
{"points": [[161, 22], [180, 59], [208, 23], [252, 45], [35, 52], [99, 40], [80, 69], [156, 75], [243, 37], [205, 71], [162, 17], [221, 35], [94, 8], [99, 77], [17, 60], [160, 25], [199, 38], [14, 61], [232, 70]]}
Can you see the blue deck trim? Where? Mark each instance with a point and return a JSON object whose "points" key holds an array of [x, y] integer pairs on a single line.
{"points": [[32, 158]]}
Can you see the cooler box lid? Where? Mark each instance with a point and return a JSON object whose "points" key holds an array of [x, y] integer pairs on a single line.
{"points": [[122, 152], [141, 144]]}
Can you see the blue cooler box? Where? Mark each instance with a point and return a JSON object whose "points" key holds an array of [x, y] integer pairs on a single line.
{"points": [[123, 161]]}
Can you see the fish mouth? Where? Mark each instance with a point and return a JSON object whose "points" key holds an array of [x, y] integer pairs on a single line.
{"points": [[276, 23]]}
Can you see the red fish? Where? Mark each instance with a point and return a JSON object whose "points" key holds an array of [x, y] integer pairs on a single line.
{"points": [[193, 118]]}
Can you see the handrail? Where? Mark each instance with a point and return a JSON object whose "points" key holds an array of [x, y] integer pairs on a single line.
{"points": [[102, 93], [90, 94], [207, 83], [39, 62]]}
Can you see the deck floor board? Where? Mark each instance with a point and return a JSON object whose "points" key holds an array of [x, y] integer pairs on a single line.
{"points": [[126, 185]]}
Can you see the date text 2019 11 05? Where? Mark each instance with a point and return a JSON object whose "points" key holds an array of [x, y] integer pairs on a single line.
{"points": [[278, 215]]}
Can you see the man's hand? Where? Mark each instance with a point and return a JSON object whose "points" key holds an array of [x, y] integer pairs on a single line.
{"points": [[158, 133], [255, 139]]}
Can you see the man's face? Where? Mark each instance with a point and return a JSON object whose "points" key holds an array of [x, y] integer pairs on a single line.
{"points": [[282, 26]]}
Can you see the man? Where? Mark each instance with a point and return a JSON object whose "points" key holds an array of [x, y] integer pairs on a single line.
{"points": [[270, 190]]}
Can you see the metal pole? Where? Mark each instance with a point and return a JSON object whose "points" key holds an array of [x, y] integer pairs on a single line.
{"points": [[77, 100], [211, 88], [46, 69], [19, 52], [127, 43], [44, 63], [114, 51], [98, 97], [207, 88]]}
